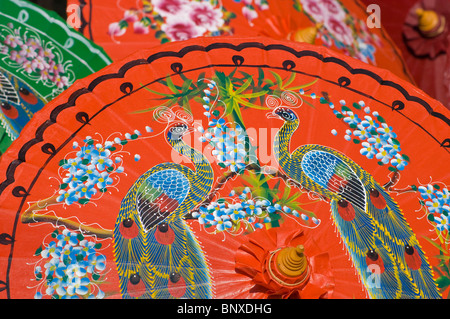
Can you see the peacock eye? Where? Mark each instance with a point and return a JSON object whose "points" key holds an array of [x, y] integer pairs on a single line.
{"points": [[409, 249], [343, 203], [135, 279], [128, 222], [374, 192], [372, 254], [174, 277], [27, 96], [163, 227]]}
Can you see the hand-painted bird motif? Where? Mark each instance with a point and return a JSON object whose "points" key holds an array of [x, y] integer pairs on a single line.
{"points": [[157, 255], [381, 244]]}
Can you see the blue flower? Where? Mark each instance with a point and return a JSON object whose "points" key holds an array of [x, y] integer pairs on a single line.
{"points": [[87, 190], [443, 196], [67, 237], [352, 118], [86, 152], [203, 215], [236, 166], [79, 286], [427, 192], [236, 212], [434, 206], [368, 150], [386, 131], [442, 222], [222, 223], [377, 141], [69, 197], [219, 123], [384, 155], [73, 165], [399, 162], [252, 208], [104, 180], [362, 132]]}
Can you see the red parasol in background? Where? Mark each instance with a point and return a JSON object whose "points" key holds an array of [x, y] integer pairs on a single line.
{"points": [[229, 167], [425, 51], [124, 26]]}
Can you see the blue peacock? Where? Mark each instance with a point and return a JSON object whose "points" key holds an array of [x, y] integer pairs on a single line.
{"points": [[381, 244], [18, 103], [157, 255]]}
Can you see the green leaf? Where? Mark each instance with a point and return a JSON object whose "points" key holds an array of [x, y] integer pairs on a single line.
{"points": [[443, 282], [63, 186], [63, 162], [83, 201], [382, 120], [357, 106], [38, 251]]}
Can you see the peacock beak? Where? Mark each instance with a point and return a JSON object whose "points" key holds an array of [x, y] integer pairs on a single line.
{"points": [[272, 115]]}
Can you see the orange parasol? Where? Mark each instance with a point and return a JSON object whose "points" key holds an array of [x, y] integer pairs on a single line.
{"points": [[229, 168], [124, 26]]}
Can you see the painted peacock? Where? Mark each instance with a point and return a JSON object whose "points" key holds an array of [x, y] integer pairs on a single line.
{"points": [[381, 244], [157, 255], [18, 103]]}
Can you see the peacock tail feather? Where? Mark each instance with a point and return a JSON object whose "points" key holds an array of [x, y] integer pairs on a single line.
{"points": [[156, 253], [380, 242]]}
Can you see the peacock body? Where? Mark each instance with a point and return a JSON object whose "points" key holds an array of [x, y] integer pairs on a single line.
{"points": [[157, 255], [380, 242]]}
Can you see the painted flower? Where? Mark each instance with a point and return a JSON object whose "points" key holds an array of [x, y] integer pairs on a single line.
{"points": [[46, 53], [315, 9], [352, 118], [203, 215], [222, 223], [384, 155], [444, 196], [130, 16], [339, 29], [377, 141], [104, 180], [236, 166], [249, 13], [69, 196], [169, 7], [205, 15], [140, 27], [87, 190], [179, 28], [61, 81], [362, 132], [369, 124], [368, 150], [427, 192], [399, 162], [434, 206], [27, 51], [442, 222], [33, 43], [386, 131], [115, 30], [236, 212], [333, 8]]}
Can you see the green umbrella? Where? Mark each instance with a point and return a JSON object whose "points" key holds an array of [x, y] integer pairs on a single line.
{"points": [[40, 57]]}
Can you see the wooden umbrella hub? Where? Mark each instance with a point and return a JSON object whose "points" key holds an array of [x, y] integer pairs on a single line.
{"points": [[431, 24], [289, 266]]}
